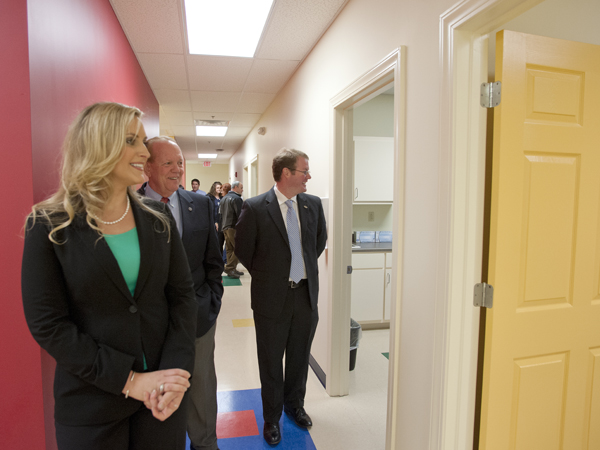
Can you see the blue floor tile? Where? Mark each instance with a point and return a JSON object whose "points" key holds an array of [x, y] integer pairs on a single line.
{"points": [[292, 436]]}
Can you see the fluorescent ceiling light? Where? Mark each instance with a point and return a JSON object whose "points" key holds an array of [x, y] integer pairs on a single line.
{"points": [[210, 130], [207, 155], [225, 27]]}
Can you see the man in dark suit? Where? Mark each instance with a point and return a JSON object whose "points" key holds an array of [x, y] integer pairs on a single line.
{"points": [[193, 214], [279, 237]]}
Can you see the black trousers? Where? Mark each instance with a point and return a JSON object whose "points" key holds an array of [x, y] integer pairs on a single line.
{"points": [[140, 431], [291, 334]]}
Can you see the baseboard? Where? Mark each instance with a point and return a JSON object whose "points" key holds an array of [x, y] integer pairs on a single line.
{"points": [[317, 370]]}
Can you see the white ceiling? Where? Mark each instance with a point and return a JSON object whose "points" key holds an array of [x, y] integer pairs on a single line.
{"points": [[190, 87]]}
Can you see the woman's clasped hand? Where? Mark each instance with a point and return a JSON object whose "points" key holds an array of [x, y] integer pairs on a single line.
{"points": [[161, 390]]}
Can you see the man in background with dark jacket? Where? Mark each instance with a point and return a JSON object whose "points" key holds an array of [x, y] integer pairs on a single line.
{"points": [[231, 206]]}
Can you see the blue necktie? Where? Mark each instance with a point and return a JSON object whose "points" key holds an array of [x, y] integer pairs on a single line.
{"points": [[293, 231]]}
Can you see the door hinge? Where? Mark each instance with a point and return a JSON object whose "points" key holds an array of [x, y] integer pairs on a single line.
{"points": [[483, 295], [490, 94]]}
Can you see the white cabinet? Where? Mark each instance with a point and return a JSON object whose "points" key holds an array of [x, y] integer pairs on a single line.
{"points": [[369, 288], [373, 169]]}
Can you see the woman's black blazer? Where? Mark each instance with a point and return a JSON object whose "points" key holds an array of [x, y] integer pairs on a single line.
{"points": [[79, 309]]}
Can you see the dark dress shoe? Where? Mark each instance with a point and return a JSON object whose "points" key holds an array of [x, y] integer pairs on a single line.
{"points": [[241, 274], [271, 433], [300, 417], [232, 274]]}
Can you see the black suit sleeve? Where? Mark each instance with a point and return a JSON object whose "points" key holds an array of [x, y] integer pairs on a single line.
{"points": [[213, 261], [179, 348], [46, 306], [321, 231], [245, 236]]}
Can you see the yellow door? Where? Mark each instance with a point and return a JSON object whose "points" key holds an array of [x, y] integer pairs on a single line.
{"points": [[541, 380]]}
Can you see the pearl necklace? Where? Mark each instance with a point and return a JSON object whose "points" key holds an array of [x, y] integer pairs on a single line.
{"points": [[118, 220]]}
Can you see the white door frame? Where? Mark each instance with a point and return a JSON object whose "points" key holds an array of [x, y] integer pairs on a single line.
{"points": [[250, 178], [390, 70], [463, 47]]}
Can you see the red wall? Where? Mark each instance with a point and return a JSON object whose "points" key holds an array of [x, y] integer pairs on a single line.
{"points": [[78, 55], [57, 57], [21, 414]]}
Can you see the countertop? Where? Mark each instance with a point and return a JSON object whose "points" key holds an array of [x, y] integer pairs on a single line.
{"points": [[372, 247]]}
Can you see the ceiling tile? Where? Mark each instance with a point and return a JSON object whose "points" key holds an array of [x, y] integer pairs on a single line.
{"points": [[154, 28], [182, 118], [238, 131], [173, 100], [189, 131], [268, 76], [296, 27], [233, 142], [245, 120], [164, 71], [186, 144], [254, 103], [215, 101], [213, 116], [218, 73]]}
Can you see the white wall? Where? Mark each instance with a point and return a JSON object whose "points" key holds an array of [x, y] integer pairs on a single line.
{"points": [[375, 118], [572, 20], [300, 116], [206, 175], [364, 33]]}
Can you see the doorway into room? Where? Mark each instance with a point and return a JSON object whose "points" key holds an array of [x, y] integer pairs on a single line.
{"points": [[382, 210]]}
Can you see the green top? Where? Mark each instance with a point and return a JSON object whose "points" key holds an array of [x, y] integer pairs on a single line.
{"points": [[126, 250]]}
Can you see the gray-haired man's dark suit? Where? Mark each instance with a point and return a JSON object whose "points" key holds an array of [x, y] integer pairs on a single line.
{"points": [[200, 241]]}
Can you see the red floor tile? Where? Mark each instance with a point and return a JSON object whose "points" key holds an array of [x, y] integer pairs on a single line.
{"points": [[236, 424]]}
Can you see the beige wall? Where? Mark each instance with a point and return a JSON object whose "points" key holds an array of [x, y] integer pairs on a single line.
{"points": [[300, 116], [382, 217], [206, 175], [375, 118]]}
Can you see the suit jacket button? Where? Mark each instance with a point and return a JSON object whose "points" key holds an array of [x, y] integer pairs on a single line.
{"points": [[132, 309]]}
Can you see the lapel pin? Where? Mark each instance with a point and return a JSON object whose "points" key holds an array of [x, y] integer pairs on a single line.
{"points": [[189, 208], [306, 206]]}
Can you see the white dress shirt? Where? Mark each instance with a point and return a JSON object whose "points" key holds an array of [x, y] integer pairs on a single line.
{"points": [[173, 204], [283, 207]]}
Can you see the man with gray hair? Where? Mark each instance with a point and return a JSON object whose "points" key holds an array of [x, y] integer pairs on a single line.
{"points": [[193, 214], [231, 206]]}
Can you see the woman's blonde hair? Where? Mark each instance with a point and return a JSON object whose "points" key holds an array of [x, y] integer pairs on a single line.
{"points": [[92, 147]]}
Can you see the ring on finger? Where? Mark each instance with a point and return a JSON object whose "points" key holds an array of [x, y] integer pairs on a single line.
{"points": [[161, 388]]}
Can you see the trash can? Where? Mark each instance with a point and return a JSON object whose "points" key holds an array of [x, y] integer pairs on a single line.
{"points": [[355, 335]]}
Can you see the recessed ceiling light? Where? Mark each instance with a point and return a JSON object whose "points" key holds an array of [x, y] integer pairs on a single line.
{"points": [[207, 155], [210, 130], [211, 127], [225, 27]]}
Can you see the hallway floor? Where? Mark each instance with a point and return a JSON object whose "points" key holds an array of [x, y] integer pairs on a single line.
{"points": [[356, 421]]}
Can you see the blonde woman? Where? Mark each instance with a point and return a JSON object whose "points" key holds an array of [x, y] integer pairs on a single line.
{"points": [[108, 294]]}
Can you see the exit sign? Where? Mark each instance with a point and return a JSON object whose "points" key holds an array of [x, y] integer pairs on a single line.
{"points": [[207, 163]]}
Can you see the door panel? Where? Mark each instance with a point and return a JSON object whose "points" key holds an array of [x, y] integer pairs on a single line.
{"points": [[541, 379]]}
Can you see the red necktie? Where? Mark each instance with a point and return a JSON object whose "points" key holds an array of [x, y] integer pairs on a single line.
{"points": [[165, 199]]}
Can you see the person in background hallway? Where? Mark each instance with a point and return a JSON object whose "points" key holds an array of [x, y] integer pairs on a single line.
{"points": [[215, 195], [108, 293], [224, 191], [279, 237], [231, 205], [194, 216], [196, 187]]}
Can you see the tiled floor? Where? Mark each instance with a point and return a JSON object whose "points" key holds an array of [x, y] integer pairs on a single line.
{"points": [[356, 421]]}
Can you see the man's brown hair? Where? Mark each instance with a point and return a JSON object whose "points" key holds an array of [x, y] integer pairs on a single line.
{"points": [[286, 157]]}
